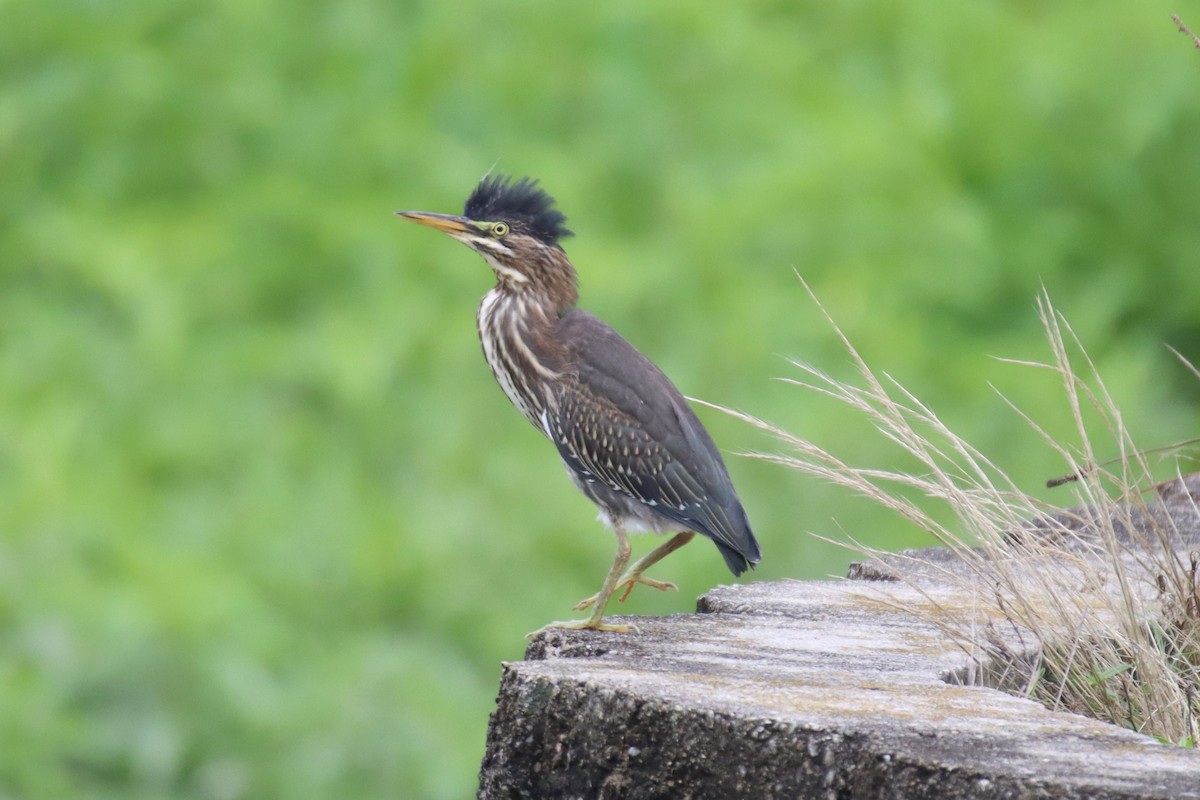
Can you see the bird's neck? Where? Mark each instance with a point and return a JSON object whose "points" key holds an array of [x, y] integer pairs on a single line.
{"points": [[546, 284], [516, 329], [517, 320], [560, 283]]}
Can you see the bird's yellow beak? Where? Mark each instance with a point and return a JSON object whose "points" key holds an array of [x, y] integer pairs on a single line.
{"points": [[446, 223]]}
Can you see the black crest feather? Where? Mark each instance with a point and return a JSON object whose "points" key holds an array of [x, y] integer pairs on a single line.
{"points": [[521, 204]]}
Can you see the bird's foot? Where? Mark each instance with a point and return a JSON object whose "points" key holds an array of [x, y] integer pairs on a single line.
{"points": [[583, 624], [628, 582], [662, 586]]}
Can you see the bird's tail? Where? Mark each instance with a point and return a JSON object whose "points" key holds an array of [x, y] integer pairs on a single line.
{"points": [[745, 554]]}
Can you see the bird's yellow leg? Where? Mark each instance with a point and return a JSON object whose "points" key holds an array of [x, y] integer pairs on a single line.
{"points": [[634, 576], [595, 620]]}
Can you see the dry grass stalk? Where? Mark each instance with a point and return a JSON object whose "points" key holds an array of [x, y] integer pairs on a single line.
{"points": [[1093, 611]]}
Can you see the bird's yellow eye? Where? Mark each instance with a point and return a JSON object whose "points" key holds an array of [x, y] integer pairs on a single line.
{"points": [[500, 229]]}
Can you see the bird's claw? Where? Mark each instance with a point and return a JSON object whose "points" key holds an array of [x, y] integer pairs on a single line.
{"points": [[662, 586], [584, 624], [627, 582]]}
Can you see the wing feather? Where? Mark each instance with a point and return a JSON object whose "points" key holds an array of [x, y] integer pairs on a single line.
{"points": [[622, 422]]}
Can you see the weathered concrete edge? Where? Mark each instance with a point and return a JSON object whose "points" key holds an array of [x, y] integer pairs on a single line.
{"points": [[666, 752], [853, 705], [841, 711]]}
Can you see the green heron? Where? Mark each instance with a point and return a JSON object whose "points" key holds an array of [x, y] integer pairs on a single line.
{"points": [[628, 439]]}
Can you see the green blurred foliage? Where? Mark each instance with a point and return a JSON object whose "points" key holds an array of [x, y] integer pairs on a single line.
{"points": [[267, 527]]}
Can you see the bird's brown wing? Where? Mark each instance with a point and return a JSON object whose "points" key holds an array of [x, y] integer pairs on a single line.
{"points": [[621, 421]]}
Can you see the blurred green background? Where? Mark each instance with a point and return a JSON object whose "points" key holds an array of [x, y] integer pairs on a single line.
{"points": [[267, 526]]}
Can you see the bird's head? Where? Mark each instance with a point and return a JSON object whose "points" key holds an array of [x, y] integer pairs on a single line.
{"points": [[516, 228]]}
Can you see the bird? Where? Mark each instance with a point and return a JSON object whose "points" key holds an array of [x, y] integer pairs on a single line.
{"points": [[627, 437]]}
